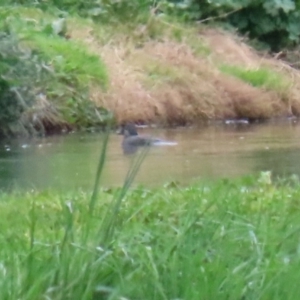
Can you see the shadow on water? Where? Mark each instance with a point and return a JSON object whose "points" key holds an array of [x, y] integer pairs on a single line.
{"points": [[70, 161]]}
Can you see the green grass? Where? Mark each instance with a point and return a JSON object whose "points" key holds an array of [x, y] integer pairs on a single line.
{"points": [[70, 59], [261, 77], [71, 68], [223, 240]]}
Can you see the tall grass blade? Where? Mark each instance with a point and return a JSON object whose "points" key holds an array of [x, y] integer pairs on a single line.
{"points": [[99, 171], [30, 257], [107, 228]]}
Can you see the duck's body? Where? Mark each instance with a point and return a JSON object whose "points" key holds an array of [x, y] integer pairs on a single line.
{"points": [[132, 140]]}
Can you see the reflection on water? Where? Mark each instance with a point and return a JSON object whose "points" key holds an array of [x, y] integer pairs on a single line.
{"points": [[66, 162]]}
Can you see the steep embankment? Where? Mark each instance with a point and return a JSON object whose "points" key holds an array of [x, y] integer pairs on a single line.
{"points": [[161, 71], [189, 74]]}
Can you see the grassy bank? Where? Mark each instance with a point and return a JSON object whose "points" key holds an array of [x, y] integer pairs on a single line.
{"points": [[151, 69], [58, 79], [222, 240]]}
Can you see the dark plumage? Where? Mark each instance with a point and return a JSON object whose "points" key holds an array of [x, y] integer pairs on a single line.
{"points": [[132, 140]]}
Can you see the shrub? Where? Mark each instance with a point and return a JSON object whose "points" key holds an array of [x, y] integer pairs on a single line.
{"points": [[22, 75], [275, 23]]}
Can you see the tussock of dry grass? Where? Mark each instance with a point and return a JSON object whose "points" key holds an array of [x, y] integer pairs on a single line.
{"points": [[230, 49], [44, 117], [165, 81], [249, 101]]}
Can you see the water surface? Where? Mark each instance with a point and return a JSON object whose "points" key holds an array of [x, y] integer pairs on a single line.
{"points": [[69, 161]]}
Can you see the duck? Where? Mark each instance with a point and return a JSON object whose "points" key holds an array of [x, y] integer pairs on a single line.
{"points": [[132, 140]]}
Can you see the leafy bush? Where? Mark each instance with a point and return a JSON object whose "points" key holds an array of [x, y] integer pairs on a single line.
{"points": [[105, 10], [45, 78], [275, 23], [22, 75], [75, 69]]}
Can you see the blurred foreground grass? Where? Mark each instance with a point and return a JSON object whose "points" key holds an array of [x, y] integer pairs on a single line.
{"points": [[236, 239]]}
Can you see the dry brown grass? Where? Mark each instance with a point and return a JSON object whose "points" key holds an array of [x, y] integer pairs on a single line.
{"points": [[43, 118], [229, 48], [166, 81]]}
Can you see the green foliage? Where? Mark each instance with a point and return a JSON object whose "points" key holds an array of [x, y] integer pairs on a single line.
{"points": [[275, 23], [261, 77], [223, 240], [75, 70], [71, 69], [72, 62], [82, 112], [121, 10], [22, 77], [47, 64], [105, 10]]}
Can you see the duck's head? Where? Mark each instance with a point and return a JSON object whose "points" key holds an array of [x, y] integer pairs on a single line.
{"points": [[128, 129]]}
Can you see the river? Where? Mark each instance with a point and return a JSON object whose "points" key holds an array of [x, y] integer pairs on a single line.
{"points": [[69, 161]]}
